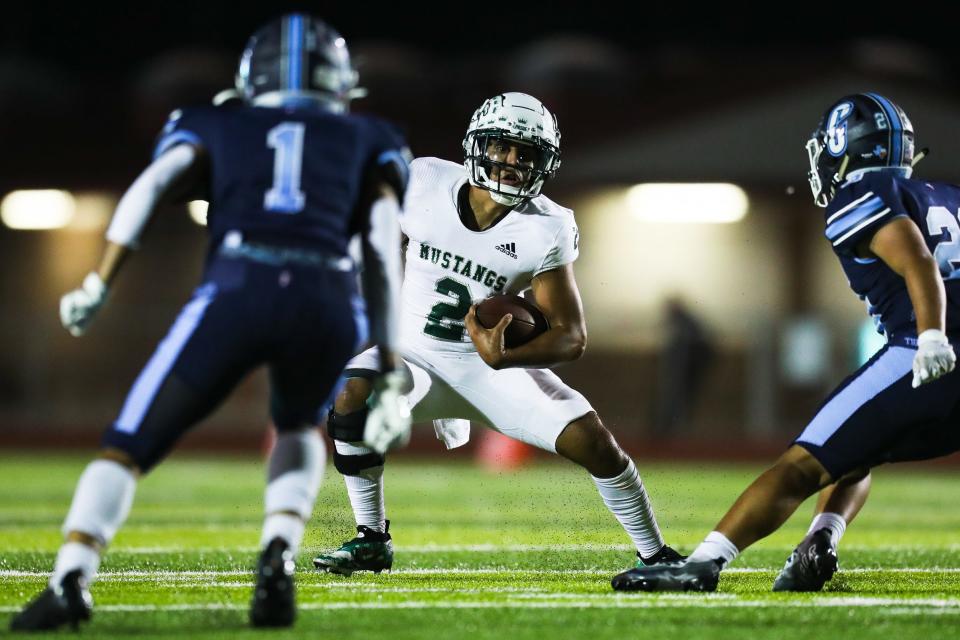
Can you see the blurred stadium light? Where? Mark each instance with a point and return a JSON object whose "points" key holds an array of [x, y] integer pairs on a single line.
{"points": [[56, 209], [704, 203], [37, 209]]}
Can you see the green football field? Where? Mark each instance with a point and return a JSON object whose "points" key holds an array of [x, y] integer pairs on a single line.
{"points": [[526, 554]]}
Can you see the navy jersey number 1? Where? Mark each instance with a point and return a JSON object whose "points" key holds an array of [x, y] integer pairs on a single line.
{"points": [[285, 195]]}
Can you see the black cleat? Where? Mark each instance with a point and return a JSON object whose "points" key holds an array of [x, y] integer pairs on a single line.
{"points": [[673, 576], [811, 564], [370, 550], [273, 602], [69, 603], [666, 554]]}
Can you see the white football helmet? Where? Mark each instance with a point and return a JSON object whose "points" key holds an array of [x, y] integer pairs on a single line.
{"points": [[512, 119]]}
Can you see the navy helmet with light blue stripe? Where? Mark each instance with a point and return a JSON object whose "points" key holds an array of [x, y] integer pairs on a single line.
{"points": [[859, 131], [297, 60]]}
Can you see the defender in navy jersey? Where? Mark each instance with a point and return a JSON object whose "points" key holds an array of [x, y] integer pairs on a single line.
{"points": [[872, 199], [290, 176], [898, 240]]}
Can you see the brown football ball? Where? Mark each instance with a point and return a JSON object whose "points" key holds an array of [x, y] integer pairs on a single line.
{"points": [[528, 321]]}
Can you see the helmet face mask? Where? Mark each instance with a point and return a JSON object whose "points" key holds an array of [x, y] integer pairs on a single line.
{"points": [[512, 147], [860, 132], [297, 60], [815, 148]]}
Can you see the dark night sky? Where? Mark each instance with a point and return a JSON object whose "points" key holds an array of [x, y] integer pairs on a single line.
{"points": [[87, 37], [83, 113]]}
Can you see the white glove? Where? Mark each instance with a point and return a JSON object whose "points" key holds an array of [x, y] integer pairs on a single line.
{"points": [[78, 307], [388, 421], [934, 357]]}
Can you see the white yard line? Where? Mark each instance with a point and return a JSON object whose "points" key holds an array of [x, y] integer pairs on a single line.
{"points": [[494, 548], [427, 548], [142, 576], [370, 587], [887, 606]]}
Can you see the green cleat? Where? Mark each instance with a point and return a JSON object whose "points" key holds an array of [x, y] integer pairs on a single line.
{"points": [[370, 550], [671, 576], [666, 554]]}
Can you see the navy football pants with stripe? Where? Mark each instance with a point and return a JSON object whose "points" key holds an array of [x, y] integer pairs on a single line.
{"points": [[876, 416], [304, 323]]}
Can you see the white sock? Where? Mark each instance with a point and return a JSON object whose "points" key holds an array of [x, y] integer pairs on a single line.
{"points": [[834, 522], [365, 490], [715, 546], [101, 504], [283, 525], [296, 469], [72, 556], [366, 498], [101, 501], [626, 498]]}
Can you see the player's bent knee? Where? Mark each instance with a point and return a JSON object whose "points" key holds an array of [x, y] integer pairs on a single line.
{"points": [[588, 443], [855, 476], [347, 427], [353, 396], [349, 456], [801, 469], [357, 461]]}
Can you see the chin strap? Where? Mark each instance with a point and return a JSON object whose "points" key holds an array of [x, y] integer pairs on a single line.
{"points": [[478, 172], [842, 171], [837, 178], [509, 201]]}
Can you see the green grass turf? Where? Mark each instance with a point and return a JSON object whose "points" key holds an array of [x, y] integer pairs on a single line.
{"points": [[525, 554]]}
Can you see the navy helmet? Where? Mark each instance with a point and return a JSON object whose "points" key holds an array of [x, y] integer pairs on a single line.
{"points": [[297, 60], [859, 131]]}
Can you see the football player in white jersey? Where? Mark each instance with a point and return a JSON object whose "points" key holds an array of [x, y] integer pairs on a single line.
{"points": [[474, 230]]}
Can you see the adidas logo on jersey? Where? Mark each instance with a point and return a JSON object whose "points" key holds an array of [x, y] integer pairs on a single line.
{"points": [[509, 248]]}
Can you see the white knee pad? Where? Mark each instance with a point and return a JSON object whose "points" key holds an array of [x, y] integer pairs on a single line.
{"points": [[351, 448], [101, 501], [296, 469]]}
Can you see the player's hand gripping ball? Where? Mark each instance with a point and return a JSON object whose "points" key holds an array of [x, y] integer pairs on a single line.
{"points": [[528, 321]]}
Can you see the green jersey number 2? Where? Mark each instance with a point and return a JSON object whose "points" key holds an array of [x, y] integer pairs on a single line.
{"points": [[445, 320]]}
